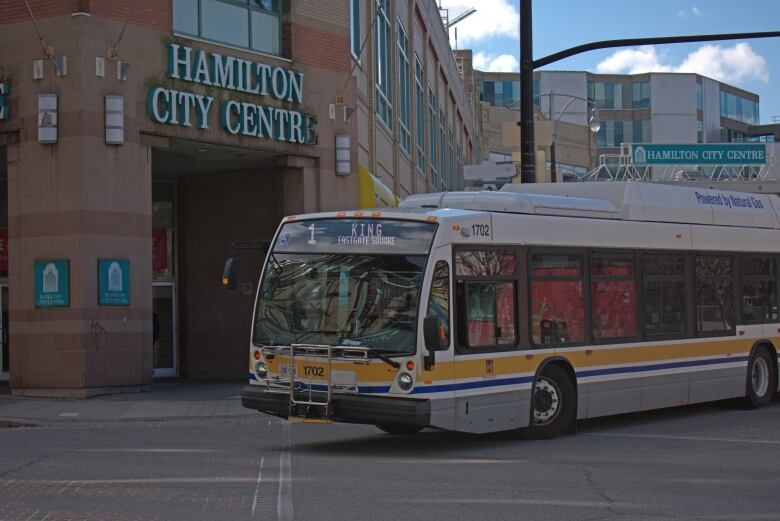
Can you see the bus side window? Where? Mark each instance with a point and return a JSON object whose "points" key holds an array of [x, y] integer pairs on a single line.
{"points": [[439, 301]]}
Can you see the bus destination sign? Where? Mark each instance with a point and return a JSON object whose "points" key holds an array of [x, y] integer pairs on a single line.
{"points": [[356, 236]]}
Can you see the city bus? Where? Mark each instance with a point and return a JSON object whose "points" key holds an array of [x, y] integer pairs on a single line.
{"points": [[524, 309]]}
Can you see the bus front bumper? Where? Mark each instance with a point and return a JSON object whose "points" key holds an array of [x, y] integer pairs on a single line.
{"points": [[347, 408]]}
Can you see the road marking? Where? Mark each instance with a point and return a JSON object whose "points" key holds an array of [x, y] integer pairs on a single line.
{"points": [[257, 489], [33, 515], [537, 502], [69, 414], [284, 506], [684, 438], [464, 461], [63, 489], [174, 451]]}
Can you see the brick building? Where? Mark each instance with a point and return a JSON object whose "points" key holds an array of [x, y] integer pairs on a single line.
{"points": [[139, 139]]}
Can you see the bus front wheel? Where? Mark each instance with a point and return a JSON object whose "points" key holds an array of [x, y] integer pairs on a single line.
{"points": [[761, 379], [553, 403]]}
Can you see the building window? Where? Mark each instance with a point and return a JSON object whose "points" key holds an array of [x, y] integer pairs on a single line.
{"points": [[714, 294], [354, 28], [442, 150], [432, 133], [606, 95], [404, 136], [557, 298], [613, 294], [419, 93], [640, 95], [384, 64], [699, 131], [253, 24], [486, 298], [739, 108], [664, 294], [699, 98]]}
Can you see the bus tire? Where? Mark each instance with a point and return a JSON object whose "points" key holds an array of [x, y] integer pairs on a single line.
{"points": [[761, 379], [398, 429], [553, 403]]}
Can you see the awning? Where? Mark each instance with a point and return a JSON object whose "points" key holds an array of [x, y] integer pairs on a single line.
{"points": [[373, 193]]}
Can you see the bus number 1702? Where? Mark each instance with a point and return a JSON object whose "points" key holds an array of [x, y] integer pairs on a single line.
{"points": [[480, 230]]}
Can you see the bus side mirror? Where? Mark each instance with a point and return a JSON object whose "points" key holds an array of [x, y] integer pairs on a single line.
{"points": [[432, 338], [230, 273]]}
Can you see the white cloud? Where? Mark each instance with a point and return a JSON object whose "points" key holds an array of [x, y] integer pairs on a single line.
{"points": [[493, 18], [695, 10], [492, 63], [728, 64]]}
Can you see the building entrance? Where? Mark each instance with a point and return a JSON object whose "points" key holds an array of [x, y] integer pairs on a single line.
{"points": [[166, 356]]}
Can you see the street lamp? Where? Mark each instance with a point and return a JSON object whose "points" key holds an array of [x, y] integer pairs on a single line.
{"points": [[593, 123]]}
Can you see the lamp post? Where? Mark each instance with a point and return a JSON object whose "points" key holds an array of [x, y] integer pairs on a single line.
{"points": [[593, 124], [528, 64]]}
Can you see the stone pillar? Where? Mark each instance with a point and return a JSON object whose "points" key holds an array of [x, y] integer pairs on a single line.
{"points": [[77, 200], [300, 185]]}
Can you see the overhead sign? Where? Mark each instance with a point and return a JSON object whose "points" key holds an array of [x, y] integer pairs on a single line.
{"points": [[187, 109], [113, 282], [52, 283], [698, 154]]}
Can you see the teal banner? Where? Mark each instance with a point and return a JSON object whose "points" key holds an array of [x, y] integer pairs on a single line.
{"points": [[52, 283], [113, 282], [709, 154]]}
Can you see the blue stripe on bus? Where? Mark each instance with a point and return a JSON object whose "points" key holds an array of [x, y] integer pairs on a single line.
{"points": [[656, 367], [473, 385], [252, 376]]}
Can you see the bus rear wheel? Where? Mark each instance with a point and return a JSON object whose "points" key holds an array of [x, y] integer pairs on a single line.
{"points": [[553, 403], [761, 379], [398, 429]]}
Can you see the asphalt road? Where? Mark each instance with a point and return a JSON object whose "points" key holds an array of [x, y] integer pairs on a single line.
{"points": [[710, 462]]}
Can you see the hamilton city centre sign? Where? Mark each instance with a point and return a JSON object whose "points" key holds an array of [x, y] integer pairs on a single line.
{"points": [[178, 107], [708, 154]]}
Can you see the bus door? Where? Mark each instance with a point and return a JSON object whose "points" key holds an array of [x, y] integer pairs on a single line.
{"points": [[437, 381]]}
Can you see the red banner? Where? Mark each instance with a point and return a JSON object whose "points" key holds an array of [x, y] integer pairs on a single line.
{"points": [[3, 250], [159, 248]]}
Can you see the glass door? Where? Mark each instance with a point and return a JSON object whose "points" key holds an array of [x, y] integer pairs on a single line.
{"points": [[4, 365], [166, 359]]}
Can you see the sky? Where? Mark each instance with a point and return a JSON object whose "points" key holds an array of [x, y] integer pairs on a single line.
{"points": [[754, 65]]}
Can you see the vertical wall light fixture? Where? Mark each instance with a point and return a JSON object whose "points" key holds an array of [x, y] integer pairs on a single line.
{"points": [[342, 154], [115, 120], [47, 118]]}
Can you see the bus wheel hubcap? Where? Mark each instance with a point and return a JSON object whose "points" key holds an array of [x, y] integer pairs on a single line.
{"points": [[546, 401], [760, 377]]}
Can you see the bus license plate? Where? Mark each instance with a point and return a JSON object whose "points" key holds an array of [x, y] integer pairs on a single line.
{"points": [[288, 370]]}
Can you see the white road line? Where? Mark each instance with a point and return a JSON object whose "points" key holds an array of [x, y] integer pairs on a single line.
{"points": [[173, 451], [684, 438], [257, 489], [33, 515], [63, 489], [69, 414], [542, 502], [284, 506]]}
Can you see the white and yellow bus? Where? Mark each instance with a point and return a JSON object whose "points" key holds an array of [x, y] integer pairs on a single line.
{"points": [[528, 308]]}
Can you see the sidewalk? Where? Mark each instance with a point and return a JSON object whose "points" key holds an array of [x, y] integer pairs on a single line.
{"points": [[165, 401]]}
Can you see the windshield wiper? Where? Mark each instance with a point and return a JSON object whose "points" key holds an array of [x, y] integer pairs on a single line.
{"points": [[389, 361]]}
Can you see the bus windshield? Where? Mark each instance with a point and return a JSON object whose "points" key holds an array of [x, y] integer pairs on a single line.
{"points": [[344, 282], [340, 299]]}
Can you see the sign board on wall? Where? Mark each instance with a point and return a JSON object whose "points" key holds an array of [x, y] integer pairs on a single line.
{"points": [[113, 282], [52, 283], [697, 154], [240, 116]]}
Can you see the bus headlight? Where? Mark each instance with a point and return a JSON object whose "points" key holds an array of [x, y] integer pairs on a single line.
{"points": [[405, 381], [261, 369]]}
